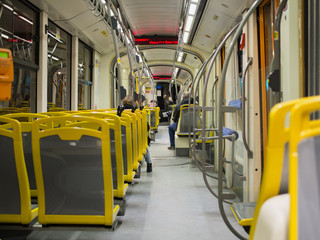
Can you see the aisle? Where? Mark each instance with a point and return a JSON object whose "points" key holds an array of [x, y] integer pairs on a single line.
{"points": [[169, 203]]}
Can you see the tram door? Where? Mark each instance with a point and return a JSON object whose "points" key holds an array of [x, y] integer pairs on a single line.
{"points": [[267, 13]]}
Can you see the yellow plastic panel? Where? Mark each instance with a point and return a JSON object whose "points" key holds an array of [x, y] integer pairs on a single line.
{"points": [[278, 136], [6, 74], [302, 128], [11, 128], [73, 133]]}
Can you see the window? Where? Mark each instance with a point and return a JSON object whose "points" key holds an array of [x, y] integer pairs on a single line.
{"points": [[19, 25], [59, 68], [84, 76]]}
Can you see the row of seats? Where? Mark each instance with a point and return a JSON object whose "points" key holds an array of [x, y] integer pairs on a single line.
{"points": [[77, 164]]}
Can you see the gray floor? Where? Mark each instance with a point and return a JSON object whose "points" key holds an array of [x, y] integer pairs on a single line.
{"points": [[169, 203]]}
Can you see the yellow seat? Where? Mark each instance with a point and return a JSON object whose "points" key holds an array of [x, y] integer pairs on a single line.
{"points": [[126, 132], [152, 118], [304, 170], [54, 114], [157, 116], [127, 144], [295, 146], [185, 123], [134, 129], [275, 172], [144, 130], [73, 171], [140, 145], [119, 187], [26, 120], [15, 201]]}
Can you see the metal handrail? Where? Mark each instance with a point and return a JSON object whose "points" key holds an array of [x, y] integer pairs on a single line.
{"points": [[196, 79], [275, 63], [207, 81], [196, 82], [212, 93], [243, 103], [130, 65], [116, 49], [221, 115], [212, 57]]}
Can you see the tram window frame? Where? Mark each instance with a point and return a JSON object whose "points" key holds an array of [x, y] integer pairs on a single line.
{"points": [[84, 81], [65, 69], [21, 101]]}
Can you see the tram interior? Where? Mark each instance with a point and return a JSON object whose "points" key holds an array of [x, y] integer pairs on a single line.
{"points": [[88, 91]]}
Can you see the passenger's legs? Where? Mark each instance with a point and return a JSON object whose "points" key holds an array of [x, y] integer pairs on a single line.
{"points": [[148, 160], [172, 130], [147, 156]]}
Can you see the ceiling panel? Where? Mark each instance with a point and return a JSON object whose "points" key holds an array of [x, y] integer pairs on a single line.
{"points": [[159, 54], [102, 40], [152, 17], [192, 60], [184, 75], [70, 16], [161, 70], [218, 18]]}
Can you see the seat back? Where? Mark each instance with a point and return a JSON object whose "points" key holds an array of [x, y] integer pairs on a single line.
{"points": [[144, 131], [127, 147], [152, 118], [26, 120], [275, 172], [139, 135], [186, 123], [115, 146], [15, 204], [74, 171], [157, 116], [304, 171], [134, 139]]}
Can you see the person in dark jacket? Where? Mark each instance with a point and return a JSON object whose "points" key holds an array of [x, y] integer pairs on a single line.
{"points": [[175, 117]]}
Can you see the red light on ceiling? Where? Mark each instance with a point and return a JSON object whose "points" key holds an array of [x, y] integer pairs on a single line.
{"points": [[156, 41], [161, 78]]}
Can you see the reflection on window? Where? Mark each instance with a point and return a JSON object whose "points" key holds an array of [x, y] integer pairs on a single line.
{"points": [[85, 76], [23, 93], [59, 48], [19, 25], [19, 30]]}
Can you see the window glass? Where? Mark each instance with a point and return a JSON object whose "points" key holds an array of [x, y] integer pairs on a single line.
{"points": [[6, 24], [19, 25], [23, 93], [85, 76], [25, 33], [59, 60]]}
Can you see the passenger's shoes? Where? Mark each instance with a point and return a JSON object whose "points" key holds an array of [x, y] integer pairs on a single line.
{"points": [[149, 167], [171, 148]]}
